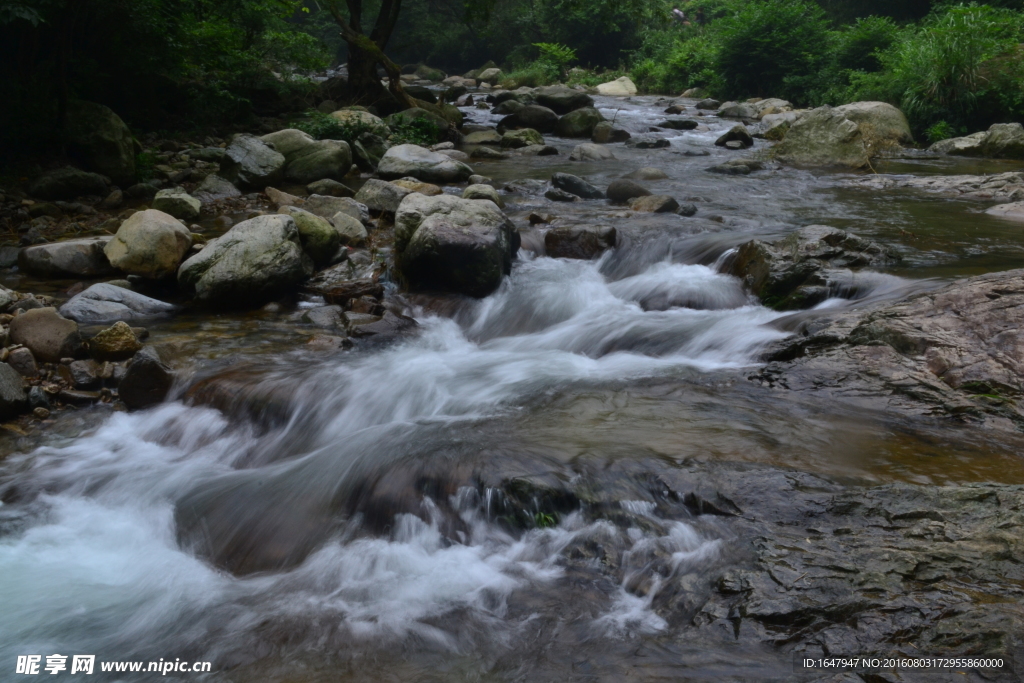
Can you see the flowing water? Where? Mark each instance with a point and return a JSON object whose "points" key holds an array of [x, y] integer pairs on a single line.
{"points": [[393, 512]]}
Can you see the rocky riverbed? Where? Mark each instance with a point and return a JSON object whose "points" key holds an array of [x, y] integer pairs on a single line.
{"points": [[594, 387]]}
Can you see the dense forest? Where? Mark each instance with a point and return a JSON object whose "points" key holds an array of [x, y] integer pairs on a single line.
{"points": [[173, 65]]}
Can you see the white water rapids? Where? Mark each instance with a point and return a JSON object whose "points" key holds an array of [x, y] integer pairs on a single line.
{"points": [[93, 564]]}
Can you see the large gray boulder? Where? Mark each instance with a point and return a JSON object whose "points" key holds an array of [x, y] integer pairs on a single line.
{"points": [[48, 335], [561, 99], [178, 203], [588, 151], [579, 123], [68, 183], [251, 163], [149, 244], [68, 259], [541, 119], [1000, 141], [214, 187], [576, 186], [453, 244], [380, 196], [308, 160], [106, 303], [319, 238], [848, 136], [420, 163], [249, 264], [102, 141]]}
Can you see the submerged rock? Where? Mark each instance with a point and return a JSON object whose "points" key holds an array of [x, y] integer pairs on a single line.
{"points": [[803, 269], [623, 190], [579, 241]]}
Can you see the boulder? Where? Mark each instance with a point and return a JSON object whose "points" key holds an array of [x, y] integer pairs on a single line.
{"points": [[428, 73], [319, 238], [368, 150], [534, 116], [177, 203], [104, 303], [655, 203], [351, 231], [537, 151], [360, 121], [483, 137], [101, 140], [421, 92], [515, 139], [251, 163], [491, 76], [509, 108], [775, 126], [149, 244], [576, 186], [117, 342], [561, 99], [848, 136], [412, 160], [678, 124], [557, 195], [327, 207], [47, 335], [214, 187], [68, 183], [647, 173], [648, 142], [13, 399], [380, 196], [453, 244], [483, 192], [330, 188], [146, 382], [737, 133], [579, 123], [308, 160], [806, 267], [605, 132], [620, 87], [23, 362], [414, 185], [708, 104], [251, 263], [588, 151], [623, 190], [71, 258], [578, 241], [1000, 141]]}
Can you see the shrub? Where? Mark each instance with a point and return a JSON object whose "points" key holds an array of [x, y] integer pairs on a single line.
{"points": [[323, 126], [772, 48], [939, 131]]}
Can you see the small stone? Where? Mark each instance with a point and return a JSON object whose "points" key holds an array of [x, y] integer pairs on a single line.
{"points": [[41, 413], [556, 195], [12, 392], [37, 398], [622, 190], [21, 359], [328, 342], [117, 342], [84, 374], [657, 203], [687, 210]]}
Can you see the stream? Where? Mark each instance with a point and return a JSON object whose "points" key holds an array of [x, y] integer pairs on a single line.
{"points": [[488, 499]]}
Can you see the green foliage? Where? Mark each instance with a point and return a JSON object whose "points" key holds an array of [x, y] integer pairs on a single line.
{"points": [[772, 48], [857, 46], [323, 126], [556, 56], [961, 65], [422, 132], [544, 520], [144, 166], [684, 64], [939, 131]]}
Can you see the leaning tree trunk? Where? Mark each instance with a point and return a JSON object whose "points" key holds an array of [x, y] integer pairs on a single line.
{"points": [[366, 52]]}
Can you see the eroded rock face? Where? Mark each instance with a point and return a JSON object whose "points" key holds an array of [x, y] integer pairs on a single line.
{"points": [[806, 267], [849, 136], [249, 264], [452, 244], [955, 351], [1000, 141]]}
